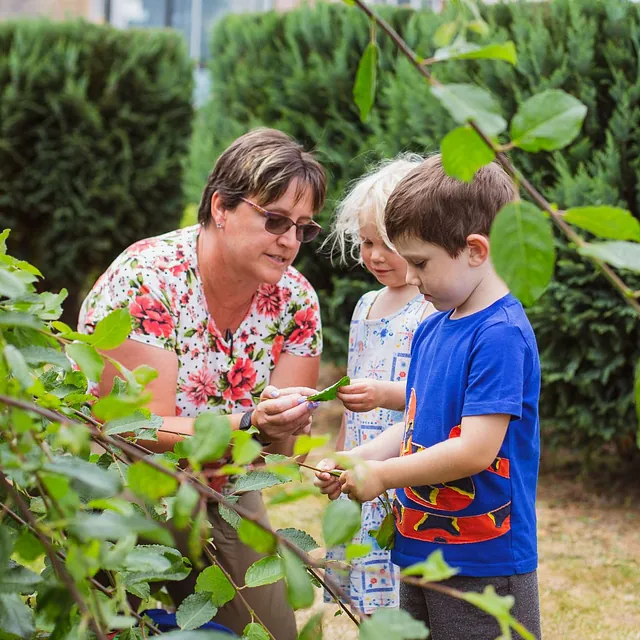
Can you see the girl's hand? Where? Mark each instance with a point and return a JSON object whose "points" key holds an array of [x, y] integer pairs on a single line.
{"points": [[283, 413], [327, 482], [364, 482], [362, 395]]}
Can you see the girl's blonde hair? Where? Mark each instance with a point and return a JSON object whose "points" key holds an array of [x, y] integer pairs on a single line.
{"points": [[366, 200]]}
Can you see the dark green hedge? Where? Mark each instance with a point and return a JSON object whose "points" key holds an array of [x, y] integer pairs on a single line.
{"points": [[295, 72], [94, 129]]}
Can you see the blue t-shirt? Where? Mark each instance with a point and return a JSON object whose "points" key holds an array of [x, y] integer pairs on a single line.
{"points": [[482, 364]]}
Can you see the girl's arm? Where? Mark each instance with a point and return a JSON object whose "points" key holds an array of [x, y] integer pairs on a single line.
{"points": [[341, 434]]}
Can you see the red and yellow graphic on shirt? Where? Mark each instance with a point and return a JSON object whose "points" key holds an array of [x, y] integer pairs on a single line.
{"points": [[421, 524]]}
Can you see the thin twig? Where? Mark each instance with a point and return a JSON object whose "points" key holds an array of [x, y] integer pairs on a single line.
{"points": [[506, 164]]}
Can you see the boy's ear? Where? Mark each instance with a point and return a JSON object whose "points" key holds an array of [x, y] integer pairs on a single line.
{"points": [[478, 246]]}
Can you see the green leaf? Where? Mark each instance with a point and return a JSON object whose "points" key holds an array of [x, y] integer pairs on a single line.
{"points": [[196, 635], [11, 286], [354, 551], [385, 536], [256, 481], [445, 33], [469, 102], [19, 579], [547, 121], [255, 631], [304, 443], [467, 51], [340, 522], [184, 505], [433, 569], [113, 526], [229, 515], [296, 493], [45, 355], [330, 393], [392, 623], [364, 89], [463, 153], [16, 319], [18, 366], [264, 571], [213, 581], [622, 255], [257, 538], [135, 421], [212, 434], [312, 630], [150, 483], [16, 618], [301, 539], [606, 222], [195, 610], [522, 250], [112, 330], [28, 547], [87, 478], [6, 547], [299, 588], [153, 563], [118, 405], [87, 358], [245, 448]]}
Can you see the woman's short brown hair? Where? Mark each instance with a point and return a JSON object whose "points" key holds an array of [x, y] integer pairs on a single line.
{"points": [[262, 164], [430, 205]]}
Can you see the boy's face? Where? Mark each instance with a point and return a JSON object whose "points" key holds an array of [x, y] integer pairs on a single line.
{"points": [[444, 281]]}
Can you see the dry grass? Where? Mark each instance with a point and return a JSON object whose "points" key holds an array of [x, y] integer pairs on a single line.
{"points": [[589, 545]]}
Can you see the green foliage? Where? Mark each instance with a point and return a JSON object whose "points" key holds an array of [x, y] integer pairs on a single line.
{"points": [[301, 81], [95, 126], [340, 522]]}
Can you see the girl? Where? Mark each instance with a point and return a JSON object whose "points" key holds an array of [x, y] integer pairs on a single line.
{"points": [[380, 337]]}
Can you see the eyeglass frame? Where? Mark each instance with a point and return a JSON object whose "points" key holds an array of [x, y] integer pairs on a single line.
{"points": [[299, 226]]}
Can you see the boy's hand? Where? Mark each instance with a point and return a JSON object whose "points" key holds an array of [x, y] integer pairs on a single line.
{"points": [[362, 395], [326, 482], [363, 482]]}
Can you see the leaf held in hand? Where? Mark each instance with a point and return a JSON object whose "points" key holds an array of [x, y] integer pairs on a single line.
{"points": [[330, 393]]}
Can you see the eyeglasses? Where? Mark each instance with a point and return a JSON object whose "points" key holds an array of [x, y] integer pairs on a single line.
{"points": [[279, 224]]}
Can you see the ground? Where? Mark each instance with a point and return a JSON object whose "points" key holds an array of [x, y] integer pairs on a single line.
{"points": [[589, 547]]}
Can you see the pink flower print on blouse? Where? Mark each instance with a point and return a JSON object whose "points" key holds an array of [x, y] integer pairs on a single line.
{"points": [[269, 300], [201, 386], [154, 317], [305, 321], [241, 378]]}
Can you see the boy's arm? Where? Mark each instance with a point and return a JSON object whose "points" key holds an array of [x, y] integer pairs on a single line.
{"points": [[471, 453], [364, 394]]}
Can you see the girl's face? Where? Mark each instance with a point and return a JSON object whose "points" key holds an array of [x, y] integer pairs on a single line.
{"points": [[386, 265]]}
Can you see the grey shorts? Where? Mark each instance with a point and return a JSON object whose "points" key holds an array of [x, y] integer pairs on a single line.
{"points": [[453, 619]]}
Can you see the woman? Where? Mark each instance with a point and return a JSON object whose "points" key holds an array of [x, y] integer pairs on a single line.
{"points": [[228, 323]]}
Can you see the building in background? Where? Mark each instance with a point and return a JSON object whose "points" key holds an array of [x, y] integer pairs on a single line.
{"points": [[55, 9]]}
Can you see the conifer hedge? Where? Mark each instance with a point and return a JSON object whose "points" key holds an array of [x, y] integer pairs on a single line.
{"points": [[295, 71], [94, 128]]}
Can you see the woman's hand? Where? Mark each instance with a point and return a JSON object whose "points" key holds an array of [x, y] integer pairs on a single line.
{"points": [[283, 413], [362, 395]]}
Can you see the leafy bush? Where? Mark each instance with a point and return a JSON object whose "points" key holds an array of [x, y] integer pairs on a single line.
{"points": [[94, 128], [300, 80]]}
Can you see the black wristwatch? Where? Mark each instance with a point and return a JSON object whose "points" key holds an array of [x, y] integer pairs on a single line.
{"points": [[245, 425]]}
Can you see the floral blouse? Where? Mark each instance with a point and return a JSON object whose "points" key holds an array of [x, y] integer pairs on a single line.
{"points": [[158, 280]]}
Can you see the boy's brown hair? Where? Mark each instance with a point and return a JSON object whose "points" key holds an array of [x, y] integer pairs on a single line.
{"points": [[262, 164], [430, 205]]}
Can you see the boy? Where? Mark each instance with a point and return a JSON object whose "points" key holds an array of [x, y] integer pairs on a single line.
{"points": [[465, 463]]}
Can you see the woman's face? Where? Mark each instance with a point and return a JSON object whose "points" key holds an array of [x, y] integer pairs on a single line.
{"points": [[262, 256]]}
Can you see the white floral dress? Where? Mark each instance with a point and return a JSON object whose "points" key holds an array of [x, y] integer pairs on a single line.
{"points": [[378, 349], [159, 282]]}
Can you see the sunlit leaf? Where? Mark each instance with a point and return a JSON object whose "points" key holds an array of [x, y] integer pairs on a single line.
{"points": [[312, 630], [547, 121], [112, 330], [364, 89], [433, 569], [445, 33], [354, 551], [467, 51], [28, 547], [299, 587], [256, 537], [11, 285], [245, 448], [522, 250], [213, 581], [195, 610], [605, 222], [622, 255], [184, 505], [264, 571], [150, 483], [386, 623], [117, 405], [255, 631], [304, 443], [469, 102], [87, 358], [212, 434], [463, 153], [296, 493], [340, 522]]}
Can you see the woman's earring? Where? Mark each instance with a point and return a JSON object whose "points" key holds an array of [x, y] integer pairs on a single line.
{"points": [[219, 225]]}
